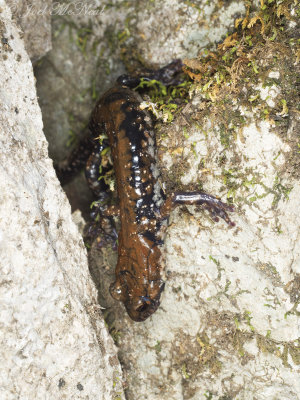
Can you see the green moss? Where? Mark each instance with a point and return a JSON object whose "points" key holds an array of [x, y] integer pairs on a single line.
{"points": [[238, 64], [208, 354], [72, 138], [230, 331], [124, 34], [184, 372], [165, 98], [82, 39], [214, 260], [115, 334], [247, 316], [294, 352], [280, 191], [157, 347], [195, 5], [293, 310]]}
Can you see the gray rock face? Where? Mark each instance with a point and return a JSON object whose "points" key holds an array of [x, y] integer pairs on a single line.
{"points": [[53, 340], [34, 18], [228, 324]]}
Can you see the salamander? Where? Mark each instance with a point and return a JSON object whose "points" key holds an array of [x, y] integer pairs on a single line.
{"points": [[143, 207]]}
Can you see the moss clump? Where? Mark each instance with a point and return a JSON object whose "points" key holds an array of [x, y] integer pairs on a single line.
{"points": [[229, 76], [237, 59], [168, 100], [229, 86]]}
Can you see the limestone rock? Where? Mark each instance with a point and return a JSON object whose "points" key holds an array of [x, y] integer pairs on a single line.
{"points": [[228, 324], [34, 18], [54, 343]]}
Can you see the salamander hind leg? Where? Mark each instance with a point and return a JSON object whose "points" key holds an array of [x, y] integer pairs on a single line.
{"points": [[215, 206], [95, 172], [67, 169], [102, 229]]}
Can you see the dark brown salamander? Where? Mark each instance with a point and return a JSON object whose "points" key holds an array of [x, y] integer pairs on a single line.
{"points": [[143, 208]]}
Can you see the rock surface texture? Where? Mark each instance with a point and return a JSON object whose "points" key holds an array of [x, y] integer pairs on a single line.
{"points": [[54, 343], [34, 18], [228, 324]]}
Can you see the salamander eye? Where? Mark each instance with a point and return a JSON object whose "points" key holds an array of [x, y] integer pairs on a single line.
{"points": [[127, 80], [116, 291]]}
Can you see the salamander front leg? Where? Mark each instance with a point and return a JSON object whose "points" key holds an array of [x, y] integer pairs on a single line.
{"points": [[215, 206], [167, 75]]}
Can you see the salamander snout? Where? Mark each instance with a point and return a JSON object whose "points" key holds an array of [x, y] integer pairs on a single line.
{"points": [[140, 309], [140, 301]]}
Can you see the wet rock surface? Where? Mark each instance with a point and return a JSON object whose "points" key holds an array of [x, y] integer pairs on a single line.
{"points": [[34, 19], [228, 325], [54, 343]]}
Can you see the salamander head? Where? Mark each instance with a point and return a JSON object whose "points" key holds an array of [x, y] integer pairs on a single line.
{"points": [[139, 307], [138, 276]]}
